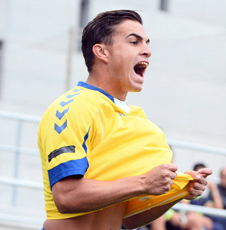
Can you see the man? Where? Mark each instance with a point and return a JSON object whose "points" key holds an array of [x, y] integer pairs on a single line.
{"points": [[95, 149], [222, 186], [221, 191]]}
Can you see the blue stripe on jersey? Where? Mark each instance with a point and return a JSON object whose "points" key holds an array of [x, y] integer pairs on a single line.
{"points": [[76, 90], [85, 139], [73, 95], [85, 85], [70, 168], [58, 128], [63, 103], [60, 115]]}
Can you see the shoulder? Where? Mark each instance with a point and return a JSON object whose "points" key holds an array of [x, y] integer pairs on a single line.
{"points": [[138, 111], [74, 100], [77, 106]]}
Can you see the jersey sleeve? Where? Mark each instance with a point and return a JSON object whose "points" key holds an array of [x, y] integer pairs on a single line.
{"points": [[64, 139]]}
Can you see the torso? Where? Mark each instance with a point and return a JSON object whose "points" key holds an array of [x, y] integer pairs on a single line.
{"points": [[107, 219], [85, 136]]}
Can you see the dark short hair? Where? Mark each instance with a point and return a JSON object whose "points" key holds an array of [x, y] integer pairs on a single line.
{"points": [[198, 166], [100, 30]]}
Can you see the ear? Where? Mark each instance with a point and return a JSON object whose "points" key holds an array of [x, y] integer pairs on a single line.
{"points": [[101, 52]]}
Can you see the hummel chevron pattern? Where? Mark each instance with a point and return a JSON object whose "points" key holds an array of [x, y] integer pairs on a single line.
{"points": [[60, 115], [58, 128], [63, 103]]}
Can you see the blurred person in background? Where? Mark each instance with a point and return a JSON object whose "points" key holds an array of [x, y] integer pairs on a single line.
{"points": [[182, 220], [221, 187], [213, 199]]}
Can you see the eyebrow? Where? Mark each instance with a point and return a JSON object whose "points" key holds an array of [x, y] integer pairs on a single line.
{"points": [[138, 36]]}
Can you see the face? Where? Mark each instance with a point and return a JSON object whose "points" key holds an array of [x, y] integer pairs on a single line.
{"points": [[223, 178], [128, 57]]}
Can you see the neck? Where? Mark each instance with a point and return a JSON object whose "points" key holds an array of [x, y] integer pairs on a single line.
{"points": [[106, 83]]}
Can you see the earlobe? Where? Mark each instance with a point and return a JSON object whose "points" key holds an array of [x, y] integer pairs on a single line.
{"points": [[100, 52]]}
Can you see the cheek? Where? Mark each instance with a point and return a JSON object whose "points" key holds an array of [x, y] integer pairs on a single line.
{"points": [[122, 61]]}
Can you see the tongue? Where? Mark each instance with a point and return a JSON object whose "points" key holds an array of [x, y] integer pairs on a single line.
{"points": [[139, 70]]}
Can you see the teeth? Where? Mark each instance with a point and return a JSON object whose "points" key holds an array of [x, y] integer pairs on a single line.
{"points": [[140, 68], [141, 65]]}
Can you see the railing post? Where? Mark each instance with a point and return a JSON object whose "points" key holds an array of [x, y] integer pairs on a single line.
{"points": [[17, 160], [83, 18], [164, 5]]}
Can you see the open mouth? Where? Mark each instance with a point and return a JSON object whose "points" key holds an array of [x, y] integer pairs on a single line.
{"points": [[140, 68]]}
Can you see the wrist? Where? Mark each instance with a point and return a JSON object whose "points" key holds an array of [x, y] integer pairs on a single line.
{"points": [[142, 187]]}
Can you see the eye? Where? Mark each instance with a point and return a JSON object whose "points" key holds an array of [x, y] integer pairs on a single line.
{"points": [[134, 42]]}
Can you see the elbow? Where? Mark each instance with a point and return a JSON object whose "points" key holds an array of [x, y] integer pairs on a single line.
{"points": [[65, 205], [62, 208], [61, 204]]}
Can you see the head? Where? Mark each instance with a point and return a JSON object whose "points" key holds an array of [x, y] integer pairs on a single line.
{"points": [[198, 166], [101, 29], [223, 177]]}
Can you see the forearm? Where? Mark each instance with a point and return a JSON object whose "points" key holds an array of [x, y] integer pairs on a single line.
{"points": [[147, 216], [217, 201], [74, 195]]}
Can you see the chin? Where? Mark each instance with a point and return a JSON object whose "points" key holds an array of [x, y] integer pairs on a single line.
{"points": [[135, 86], [136, 89]]}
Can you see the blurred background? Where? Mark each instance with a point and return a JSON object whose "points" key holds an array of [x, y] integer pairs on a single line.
{"points": [[40, 58]]}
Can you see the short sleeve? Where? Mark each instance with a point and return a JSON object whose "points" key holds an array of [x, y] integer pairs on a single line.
{"points": [[64, 138]]}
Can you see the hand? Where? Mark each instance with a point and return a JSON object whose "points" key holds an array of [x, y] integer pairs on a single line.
{"points": [[176, 219], [198, 185], [160, 179]]}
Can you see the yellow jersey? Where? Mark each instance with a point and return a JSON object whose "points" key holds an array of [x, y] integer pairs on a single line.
{"points": [[87, 132]]}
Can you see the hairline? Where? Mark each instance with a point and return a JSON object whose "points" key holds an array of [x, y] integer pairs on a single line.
{"points": [[109, 38]]}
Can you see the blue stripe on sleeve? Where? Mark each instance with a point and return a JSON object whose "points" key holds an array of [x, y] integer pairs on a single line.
{"points": [[85, 139], [70, 168]]}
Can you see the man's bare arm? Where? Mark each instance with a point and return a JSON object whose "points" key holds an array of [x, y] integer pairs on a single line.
{"points": [[74, 195]]}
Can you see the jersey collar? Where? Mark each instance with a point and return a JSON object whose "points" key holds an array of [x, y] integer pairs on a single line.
{"points": [[88, 86], [120, 104]]}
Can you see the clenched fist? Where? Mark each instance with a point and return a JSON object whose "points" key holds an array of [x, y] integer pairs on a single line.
{"points": [[160, 179]]}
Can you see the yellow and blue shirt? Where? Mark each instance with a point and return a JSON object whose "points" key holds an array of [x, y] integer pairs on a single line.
{"points": [[87, 132]]}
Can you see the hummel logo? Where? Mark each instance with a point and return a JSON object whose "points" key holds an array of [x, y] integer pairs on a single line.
{"points": [[122, 114], [60, 115], [58, 128]]}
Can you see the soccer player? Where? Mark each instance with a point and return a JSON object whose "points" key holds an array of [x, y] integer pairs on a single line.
{"points": [[98, 152]]}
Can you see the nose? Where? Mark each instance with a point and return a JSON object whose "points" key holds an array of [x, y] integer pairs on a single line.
{"points": [[146, 51]]}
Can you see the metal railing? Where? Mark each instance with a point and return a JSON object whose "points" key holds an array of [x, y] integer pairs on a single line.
{"points": [[18, 149], [197, 147]]}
